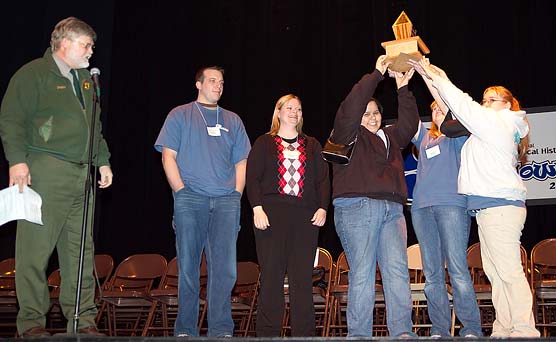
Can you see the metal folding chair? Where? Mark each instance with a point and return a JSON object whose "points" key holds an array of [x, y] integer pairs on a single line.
{"points": [[125, 303], [481, 284], [8, 298], [321, 291], [543, 284], [164, 307], [244, 297]]}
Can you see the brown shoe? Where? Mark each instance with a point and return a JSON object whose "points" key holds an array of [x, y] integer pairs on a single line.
{"points": [[35, 332], [92, 330]]}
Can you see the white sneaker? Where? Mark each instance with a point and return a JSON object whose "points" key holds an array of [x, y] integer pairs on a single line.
{"points": [[525, 333], [436, 336], [471, 336], [182, 335]]}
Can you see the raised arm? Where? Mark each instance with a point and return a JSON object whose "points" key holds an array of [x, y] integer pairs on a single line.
{"points": [[348, 116], [475, 118], [434, 92], [408, 113]]}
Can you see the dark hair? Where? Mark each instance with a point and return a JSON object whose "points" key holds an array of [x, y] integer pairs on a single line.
{"points": [[378, 104], [200, 74]]}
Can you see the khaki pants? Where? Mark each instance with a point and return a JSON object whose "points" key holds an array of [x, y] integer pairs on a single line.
{"points": [[61, 186], [499, 232]]}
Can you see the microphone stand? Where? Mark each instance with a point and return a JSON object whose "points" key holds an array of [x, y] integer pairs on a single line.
{"points": [[77, 313]]}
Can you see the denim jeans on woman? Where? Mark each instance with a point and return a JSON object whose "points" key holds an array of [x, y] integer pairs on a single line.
{"points": [[211, 223], [375, 230], [443, 234]]}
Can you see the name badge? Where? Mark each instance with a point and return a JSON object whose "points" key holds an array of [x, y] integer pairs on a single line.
{"points": [[433, 151], [213, 131], [291, 154]]}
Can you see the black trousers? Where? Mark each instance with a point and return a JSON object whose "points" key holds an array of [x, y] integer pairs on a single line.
{"points": [[288, 246]]}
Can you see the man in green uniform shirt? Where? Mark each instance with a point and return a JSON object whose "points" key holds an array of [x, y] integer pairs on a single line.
{"points": [[44, 125]]}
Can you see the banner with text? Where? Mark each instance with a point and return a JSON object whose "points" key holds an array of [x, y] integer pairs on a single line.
{"points": [[539, 172]]}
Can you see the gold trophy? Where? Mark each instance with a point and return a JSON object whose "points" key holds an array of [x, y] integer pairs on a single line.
{"points": [[406, 46]]}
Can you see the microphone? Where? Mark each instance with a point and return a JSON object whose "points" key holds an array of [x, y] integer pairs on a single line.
{"points": [[95, 73]]}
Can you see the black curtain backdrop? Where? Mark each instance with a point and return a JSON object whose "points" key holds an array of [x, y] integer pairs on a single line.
{"points": [[148, 52]]}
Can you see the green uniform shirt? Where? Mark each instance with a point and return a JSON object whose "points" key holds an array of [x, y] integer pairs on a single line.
{"points": [[40, 113]]}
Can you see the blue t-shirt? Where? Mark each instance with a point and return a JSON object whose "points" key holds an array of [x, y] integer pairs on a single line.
{"points": [[437, 173], [475, 203], [206, 163]]}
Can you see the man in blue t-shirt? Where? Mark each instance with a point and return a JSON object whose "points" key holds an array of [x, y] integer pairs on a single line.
{"points": [[204, 155]]}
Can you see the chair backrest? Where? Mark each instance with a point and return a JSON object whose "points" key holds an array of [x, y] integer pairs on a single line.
{"points": [[524, 260], [247, 273], [104, 265], [543, 261], [138, 272], [475, 263], [342, 269], [247, 282], [324, 260], [203, 271], [54, 281], [170, 278], [415, 263], [322, 281], [7, 274], [244, 296], [203, 276]]}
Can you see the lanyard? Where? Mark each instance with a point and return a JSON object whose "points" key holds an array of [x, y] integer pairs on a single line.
{"points": [[433, 141], [201, 112]]}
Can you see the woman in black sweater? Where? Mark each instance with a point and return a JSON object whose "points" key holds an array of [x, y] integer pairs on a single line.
{"points": [[289, 189]]}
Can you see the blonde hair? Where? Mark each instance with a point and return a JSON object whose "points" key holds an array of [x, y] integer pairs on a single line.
{"points": [[275, 126], [434, 130], [507, 96], [70, 28]]}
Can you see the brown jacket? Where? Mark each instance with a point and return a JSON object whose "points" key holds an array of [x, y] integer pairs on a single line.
{"points": [[375, 171]]}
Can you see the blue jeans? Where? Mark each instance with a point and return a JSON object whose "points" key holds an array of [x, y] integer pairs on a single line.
{"points": [[443, 234], [210, 223], [374, 230]]}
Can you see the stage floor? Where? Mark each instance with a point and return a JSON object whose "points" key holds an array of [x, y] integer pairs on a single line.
{"points": [[65, 338]]}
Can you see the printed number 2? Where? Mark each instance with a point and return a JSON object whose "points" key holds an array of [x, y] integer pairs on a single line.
{"points": [[552, 186]]}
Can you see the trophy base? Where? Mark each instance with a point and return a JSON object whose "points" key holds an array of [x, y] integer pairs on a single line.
{"points": [[399, 62]]}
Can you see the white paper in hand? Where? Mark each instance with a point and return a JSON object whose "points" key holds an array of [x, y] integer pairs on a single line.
{"points": [[20, 206]]}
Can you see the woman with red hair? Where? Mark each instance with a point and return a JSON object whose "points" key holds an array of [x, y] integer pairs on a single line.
{"points": [[495, 193]]}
